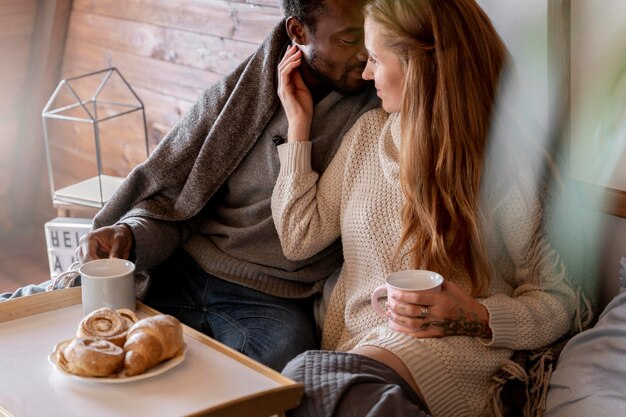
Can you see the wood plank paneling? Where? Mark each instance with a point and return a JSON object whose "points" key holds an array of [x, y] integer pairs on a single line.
{"points": [[10, 7], [219, 55], [232, 20], [273, 3], [168, 50], [162, 110], [162, 77], [16, 25], [23, 259], [17, 50], [48, 43], [8, 129], [16, 31]]}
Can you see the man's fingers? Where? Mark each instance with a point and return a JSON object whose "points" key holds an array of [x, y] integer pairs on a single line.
{"points": [[78, 253], [121, 242], [119, 250], [107, 242], [86, 251], [115, 250]]}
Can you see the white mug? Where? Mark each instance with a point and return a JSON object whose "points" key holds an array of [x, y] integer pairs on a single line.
{"points": [[107, 283], [410, 280]]}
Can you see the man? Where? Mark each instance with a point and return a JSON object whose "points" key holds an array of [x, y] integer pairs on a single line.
{"points": [[199, 208]]}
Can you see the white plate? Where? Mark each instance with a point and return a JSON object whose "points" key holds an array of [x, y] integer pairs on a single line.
{"points": [[118, 378]]}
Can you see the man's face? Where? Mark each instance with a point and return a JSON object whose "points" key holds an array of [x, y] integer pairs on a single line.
{"points": [[335, 53]]}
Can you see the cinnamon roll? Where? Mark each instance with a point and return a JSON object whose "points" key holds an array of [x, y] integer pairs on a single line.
{"points": [[128, 315], [105, 324], [92, 357]]}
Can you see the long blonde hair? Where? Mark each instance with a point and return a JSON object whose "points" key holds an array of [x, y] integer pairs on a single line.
{"points": [[453, 59]]}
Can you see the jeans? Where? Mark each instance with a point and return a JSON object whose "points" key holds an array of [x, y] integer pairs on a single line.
{"points": [[271, 330]]}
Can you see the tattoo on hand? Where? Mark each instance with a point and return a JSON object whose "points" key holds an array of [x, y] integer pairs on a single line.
{"points": [[464, 325]]}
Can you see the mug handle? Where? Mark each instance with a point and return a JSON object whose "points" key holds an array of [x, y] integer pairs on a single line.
{"points": [[376, 304]]}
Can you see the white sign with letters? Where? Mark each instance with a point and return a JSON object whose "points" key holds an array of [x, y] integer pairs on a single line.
{"points": [[63, 236]]}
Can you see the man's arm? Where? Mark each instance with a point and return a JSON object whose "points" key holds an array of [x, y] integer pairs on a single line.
{"points": [[145, 241]]}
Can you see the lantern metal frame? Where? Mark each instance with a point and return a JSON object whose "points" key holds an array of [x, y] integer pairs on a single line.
{"points": [[104, 185]]}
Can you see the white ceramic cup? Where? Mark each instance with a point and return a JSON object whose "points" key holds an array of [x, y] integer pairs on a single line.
{"points": [[410, 280], [107, 283]]}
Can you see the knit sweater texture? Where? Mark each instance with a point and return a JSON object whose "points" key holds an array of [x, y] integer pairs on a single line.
{"points": [[359, 198], [166, 199], [237, 240]]}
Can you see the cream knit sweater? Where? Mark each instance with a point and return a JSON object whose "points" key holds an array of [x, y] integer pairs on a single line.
{"points": [[359, 198]]}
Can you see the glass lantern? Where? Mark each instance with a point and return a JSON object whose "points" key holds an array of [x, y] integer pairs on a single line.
{"points": [[95, 133]]}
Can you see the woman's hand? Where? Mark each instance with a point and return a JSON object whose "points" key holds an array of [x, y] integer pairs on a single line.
{"points": [[295, 96], [448, 313]]}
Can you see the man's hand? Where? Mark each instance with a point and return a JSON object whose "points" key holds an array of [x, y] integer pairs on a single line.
{"points": [[107, 242]]}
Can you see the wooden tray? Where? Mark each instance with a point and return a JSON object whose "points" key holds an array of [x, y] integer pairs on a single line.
{"points": [[213, 380]]}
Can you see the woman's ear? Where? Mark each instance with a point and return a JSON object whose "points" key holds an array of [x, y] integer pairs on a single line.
{"points": [[297, 31]]}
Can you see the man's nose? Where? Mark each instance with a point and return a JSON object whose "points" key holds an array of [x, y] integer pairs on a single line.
{"points": [[362, 54]]}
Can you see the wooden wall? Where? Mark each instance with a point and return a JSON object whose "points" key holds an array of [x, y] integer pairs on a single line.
{"points": [[168, 51], [17, 21]]}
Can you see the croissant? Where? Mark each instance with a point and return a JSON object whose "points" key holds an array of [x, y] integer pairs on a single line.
{"points": [[151, 341], [91, 357], [106, 324]]}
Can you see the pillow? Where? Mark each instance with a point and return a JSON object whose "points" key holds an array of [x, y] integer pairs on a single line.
{"points": [[591, 370]]}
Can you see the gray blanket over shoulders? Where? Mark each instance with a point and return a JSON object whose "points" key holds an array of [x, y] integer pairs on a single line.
{"points": [[202, 150]]}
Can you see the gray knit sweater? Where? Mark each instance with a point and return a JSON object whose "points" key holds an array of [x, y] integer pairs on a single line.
{"points": [[166, 199]]}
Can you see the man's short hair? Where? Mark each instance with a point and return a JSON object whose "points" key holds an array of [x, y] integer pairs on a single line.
{"points": [[306, 11]]}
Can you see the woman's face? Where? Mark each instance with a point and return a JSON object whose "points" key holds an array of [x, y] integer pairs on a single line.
{"points": [[384, 67]]}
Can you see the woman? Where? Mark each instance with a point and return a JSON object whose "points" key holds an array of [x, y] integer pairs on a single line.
{"points": [[408, 189]]}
